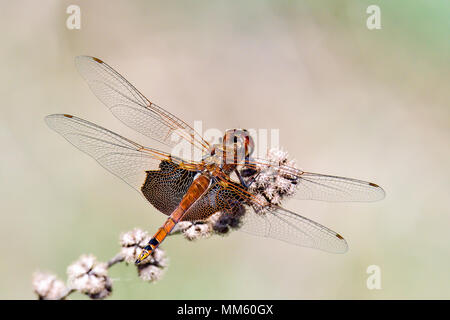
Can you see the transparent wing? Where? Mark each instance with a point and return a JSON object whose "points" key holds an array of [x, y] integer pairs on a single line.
{"points": [[291, 227], [315, 186], [133, 108], [124, 158], [278, 223]]}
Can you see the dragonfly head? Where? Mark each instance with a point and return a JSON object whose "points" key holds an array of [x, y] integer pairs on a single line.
{"points": [[237, 145]]}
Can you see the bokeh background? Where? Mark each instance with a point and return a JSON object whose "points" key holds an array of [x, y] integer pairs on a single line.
{"points": [[348, 101]]}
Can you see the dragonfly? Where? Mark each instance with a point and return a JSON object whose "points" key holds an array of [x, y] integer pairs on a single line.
{"points": [[194, 190]]}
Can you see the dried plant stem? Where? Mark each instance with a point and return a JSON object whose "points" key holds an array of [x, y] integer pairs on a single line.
{"points": [[117, 259], [67, 293]]}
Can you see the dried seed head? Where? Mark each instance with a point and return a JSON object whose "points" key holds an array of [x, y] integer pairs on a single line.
{"points": [[88, 276], [158, 258], [154, 269], [223, 223], [48, 286], [218, 223], [197, 230], [149, 272], [105, 292], [132, 243], [272, 185], [193, 230]]}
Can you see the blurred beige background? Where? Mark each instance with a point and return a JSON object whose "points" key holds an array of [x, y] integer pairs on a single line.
{"points": [[372, 105]]}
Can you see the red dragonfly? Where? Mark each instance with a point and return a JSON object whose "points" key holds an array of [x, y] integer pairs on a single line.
{"points": [[221, 181]]}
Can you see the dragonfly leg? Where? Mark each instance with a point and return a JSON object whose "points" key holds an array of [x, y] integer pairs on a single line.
{"points": [[240, 178], [248, 183]]}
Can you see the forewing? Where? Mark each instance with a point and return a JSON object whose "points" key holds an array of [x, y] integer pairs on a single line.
{"points": [[123, 157], [132, 107], [315, 186]]}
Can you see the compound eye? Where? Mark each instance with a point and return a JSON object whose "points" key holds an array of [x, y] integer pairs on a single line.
{"points": [[227, 138], [250, 145]]}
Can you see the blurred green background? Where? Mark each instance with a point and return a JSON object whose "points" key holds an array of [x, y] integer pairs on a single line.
{"points": [[348, 101]]}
